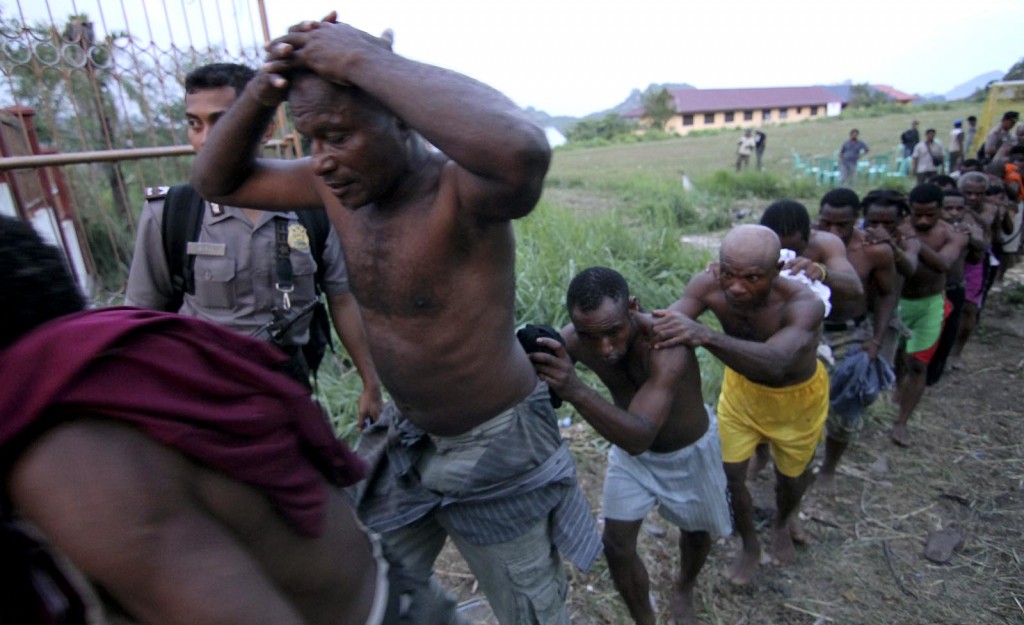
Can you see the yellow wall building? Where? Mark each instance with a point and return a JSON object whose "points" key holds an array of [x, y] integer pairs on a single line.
{"points": [[705, 109]]}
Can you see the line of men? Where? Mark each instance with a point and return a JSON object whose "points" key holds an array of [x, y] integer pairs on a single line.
{"points": [[469, 446]]}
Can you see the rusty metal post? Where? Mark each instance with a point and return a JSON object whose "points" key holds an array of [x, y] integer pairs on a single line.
{"points": [[290, 138]]}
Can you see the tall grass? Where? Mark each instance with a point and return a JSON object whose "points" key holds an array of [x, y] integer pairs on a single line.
{"points": [[553, 245]]}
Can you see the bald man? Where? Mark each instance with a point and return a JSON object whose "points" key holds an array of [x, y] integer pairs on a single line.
{"points": [[775, 389]]}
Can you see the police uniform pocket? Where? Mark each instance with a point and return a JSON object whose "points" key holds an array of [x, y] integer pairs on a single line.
{"points": [[215, 282]]}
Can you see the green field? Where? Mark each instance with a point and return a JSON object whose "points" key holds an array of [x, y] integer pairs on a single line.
{"points": [[700, 156]]}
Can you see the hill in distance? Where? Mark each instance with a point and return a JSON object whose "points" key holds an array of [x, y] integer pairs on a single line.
{"points": [[564, 122], [967, 89]]}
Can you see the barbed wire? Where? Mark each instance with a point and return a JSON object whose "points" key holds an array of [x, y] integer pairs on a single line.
{"points": [[103, 75]]}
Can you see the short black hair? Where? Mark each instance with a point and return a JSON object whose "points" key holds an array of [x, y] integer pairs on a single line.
{"points": [[841, 198], [216, 75], [886, 198], [931, 130], [972, 118], [943, 180], [786, 217], [1014, 115], [971, 162], [592, 286], [996, 187], [39, 286], [952, 193], [1017, 149], [926, 193]]}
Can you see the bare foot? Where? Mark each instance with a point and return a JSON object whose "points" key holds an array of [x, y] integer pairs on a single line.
{"points": [[744, 568], [782, 550], [681, 609], [954, 363], [796, 530], [900, 435], [825, 484]]}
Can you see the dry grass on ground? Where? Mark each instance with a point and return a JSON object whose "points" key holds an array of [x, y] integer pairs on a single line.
{"points": [[965, 471]]}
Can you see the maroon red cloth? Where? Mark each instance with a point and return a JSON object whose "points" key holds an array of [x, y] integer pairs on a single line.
{"points": [[199, 388]]}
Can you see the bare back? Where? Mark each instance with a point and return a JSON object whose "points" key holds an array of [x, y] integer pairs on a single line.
{"points": [[436, 288], [177, 542]]}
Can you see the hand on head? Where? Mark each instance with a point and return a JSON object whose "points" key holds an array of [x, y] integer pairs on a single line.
{"points": [[327, 48]]}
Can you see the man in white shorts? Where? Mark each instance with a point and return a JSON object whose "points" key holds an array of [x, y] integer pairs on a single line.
{"points": [[666, 447]]}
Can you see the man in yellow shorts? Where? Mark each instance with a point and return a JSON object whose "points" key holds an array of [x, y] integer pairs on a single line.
{"points": [[775, 389]]}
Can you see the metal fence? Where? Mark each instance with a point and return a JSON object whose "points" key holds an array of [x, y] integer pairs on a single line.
{"points": [[92, 110]]}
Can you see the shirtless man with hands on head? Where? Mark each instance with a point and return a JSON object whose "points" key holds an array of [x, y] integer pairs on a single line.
{"points": [[428, 240], [774, 387]]}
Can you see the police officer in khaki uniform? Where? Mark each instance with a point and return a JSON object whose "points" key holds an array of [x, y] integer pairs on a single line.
{"points": [[235, 258]]}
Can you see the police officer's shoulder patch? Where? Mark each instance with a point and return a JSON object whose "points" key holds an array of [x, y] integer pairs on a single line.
{"points": [[298, 238], [157, 193]]}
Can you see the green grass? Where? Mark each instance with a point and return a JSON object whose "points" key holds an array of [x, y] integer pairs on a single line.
{"points": [[701, 156]]}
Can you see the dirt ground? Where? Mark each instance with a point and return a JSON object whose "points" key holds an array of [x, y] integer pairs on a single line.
{"points": [[865, 564]]}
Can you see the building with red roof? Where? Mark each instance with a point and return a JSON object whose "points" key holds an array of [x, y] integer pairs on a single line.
{"points": [[895, 94], [703, 109]]}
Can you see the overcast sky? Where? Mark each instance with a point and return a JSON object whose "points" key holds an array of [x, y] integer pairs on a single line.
{"points": [[574, 57]]}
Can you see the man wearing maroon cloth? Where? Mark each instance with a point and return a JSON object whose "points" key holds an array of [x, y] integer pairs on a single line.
{"points": [[172, 463]]}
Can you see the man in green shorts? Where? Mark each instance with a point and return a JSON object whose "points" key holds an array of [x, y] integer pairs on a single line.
{"points": [[923, 303]]}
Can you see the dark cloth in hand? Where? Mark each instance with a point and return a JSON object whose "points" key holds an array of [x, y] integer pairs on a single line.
{"points": [[528, 336]]}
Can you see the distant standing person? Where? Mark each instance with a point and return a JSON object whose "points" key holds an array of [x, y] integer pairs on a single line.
{"points": [[774, 389], [760, 146], [850, 152], [970, 133], [665, 446], [1000, 139], [910, 138], [927, 158], [744, 148], [956, 145]]}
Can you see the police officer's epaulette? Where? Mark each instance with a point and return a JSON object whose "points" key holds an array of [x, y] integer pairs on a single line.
{"points": [[156, 193]]}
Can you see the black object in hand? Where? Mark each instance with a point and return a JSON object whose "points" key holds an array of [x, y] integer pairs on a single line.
{"points": [[528, 336]]}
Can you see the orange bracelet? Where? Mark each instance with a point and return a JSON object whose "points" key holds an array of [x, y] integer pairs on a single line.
{"points": [[824, 273]]}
